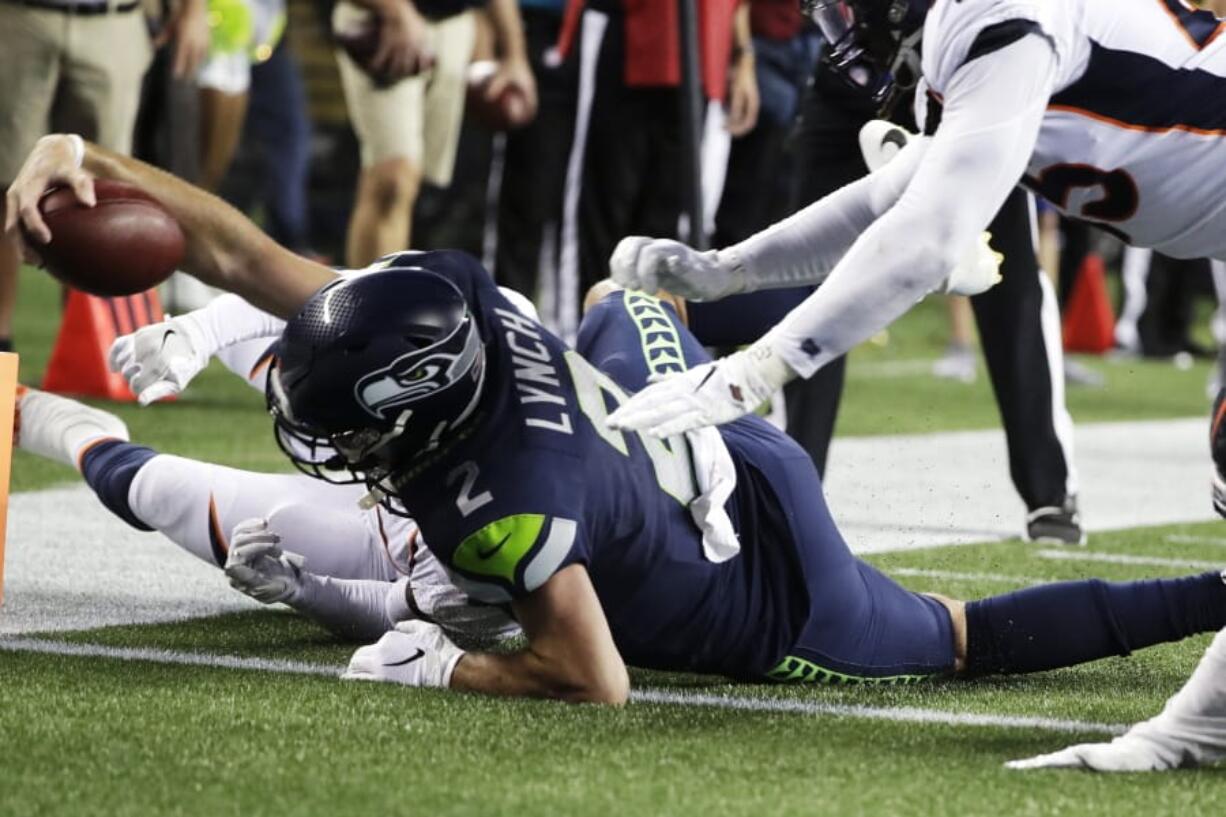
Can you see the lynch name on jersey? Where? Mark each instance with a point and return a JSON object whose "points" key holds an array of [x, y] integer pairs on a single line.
{"points": [[537, 384]]}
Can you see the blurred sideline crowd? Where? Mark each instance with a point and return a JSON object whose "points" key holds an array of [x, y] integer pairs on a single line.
{"points": [[532, 133]]}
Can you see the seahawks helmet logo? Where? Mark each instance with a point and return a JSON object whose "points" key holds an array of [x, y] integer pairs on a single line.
{"points": [[385, 392]]}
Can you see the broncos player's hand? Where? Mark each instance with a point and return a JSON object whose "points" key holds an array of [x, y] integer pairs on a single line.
{"points": [[159, 360], [258, 567], [1127, 753], [415, 654], [978, 271], [653, 264], [711, 394]]}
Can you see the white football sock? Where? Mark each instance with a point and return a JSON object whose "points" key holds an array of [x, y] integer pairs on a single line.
{"points": [[60, 428]]}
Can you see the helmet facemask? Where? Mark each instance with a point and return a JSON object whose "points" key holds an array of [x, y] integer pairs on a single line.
{"points": [[873, 45], [405, 410]]}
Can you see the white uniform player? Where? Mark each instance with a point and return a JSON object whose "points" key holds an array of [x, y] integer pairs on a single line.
{"points": [[1134, 132], [1107, 107], [1112, 109]]}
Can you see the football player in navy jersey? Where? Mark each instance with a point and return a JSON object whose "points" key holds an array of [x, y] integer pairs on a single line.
{"points": [[710, 552]]}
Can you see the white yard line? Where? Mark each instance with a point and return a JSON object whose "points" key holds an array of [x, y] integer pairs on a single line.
{"points": [[158, 656], [1185, 539], [1125, 559], [957, 576], [904, 714]]}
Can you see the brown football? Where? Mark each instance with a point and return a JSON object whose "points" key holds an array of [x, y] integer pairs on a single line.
{"points": [[125, 244]]}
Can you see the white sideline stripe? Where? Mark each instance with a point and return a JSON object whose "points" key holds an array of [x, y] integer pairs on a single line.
{"points": [[905, 714], [1125, 559], [902, 714], [157, 656], [1185, 539], [970, 577]]}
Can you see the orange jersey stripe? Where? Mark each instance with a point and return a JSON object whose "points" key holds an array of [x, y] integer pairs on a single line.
{"points": [[1116, 123]]}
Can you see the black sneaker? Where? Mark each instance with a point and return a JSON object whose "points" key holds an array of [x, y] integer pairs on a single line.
{"points": [[1056, 524]]}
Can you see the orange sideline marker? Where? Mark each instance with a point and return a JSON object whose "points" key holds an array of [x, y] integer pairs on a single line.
{"points": [[8, 398]]}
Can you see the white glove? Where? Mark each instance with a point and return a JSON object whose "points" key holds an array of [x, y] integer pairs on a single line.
{"points": [[654, 264], [711, 394], [978, 271], [1127, 753], [258, 567], [415, 654], [159, 360]]}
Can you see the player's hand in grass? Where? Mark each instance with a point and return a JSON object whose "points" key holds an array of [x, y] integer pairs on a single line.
{"points": [[1127, 753], [258, 567], [712, 394], [415, 654], [653, 264], [159, 360]]}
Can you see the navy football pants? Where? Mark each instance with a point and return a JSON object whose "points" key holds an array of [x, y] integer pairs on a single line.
{"points": [[862, 625]]}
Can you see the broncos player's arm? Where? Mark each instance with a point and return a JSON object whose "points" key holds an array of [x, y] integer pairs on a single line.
{"points": [[993, 108], [224, 249], [570, 654]]}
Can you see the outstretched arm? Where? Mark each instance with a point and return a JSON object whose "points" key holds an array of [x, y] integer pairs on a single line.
{"points": [[994, 107], [224, 249], [799, 250]]}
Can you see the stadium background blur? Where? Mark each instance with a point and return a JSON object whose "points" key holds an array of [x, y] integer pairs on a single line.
{"points": [[292, 163]]}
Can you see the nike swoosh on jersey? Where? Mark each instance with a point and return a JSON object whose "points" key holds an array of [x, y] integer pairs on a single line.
{"points": [[488, 552], [414, 657]]}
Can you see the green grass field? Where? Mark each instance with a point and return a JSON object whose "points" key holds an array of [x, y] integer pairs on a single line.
{"points": [[89, 734], [93, 735]]}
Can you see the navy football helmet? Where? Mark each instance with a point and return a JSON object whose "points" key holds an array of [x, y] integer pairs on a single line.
{"points": [[873, 45], [373, 373]]}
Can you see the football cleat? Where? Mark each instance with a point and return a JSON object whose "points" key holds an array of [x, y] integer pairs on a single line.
{"points": [[60, 429], [1056, 524]]}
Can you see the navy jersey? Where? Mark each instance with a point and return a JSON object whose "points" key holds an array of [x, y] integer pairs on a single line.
{"points": [[539, 483]]}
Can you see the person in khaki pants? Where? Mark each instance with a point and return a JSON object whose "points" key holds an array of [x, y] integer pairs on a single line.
{"points": [[407, 112], [76, 66]]}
